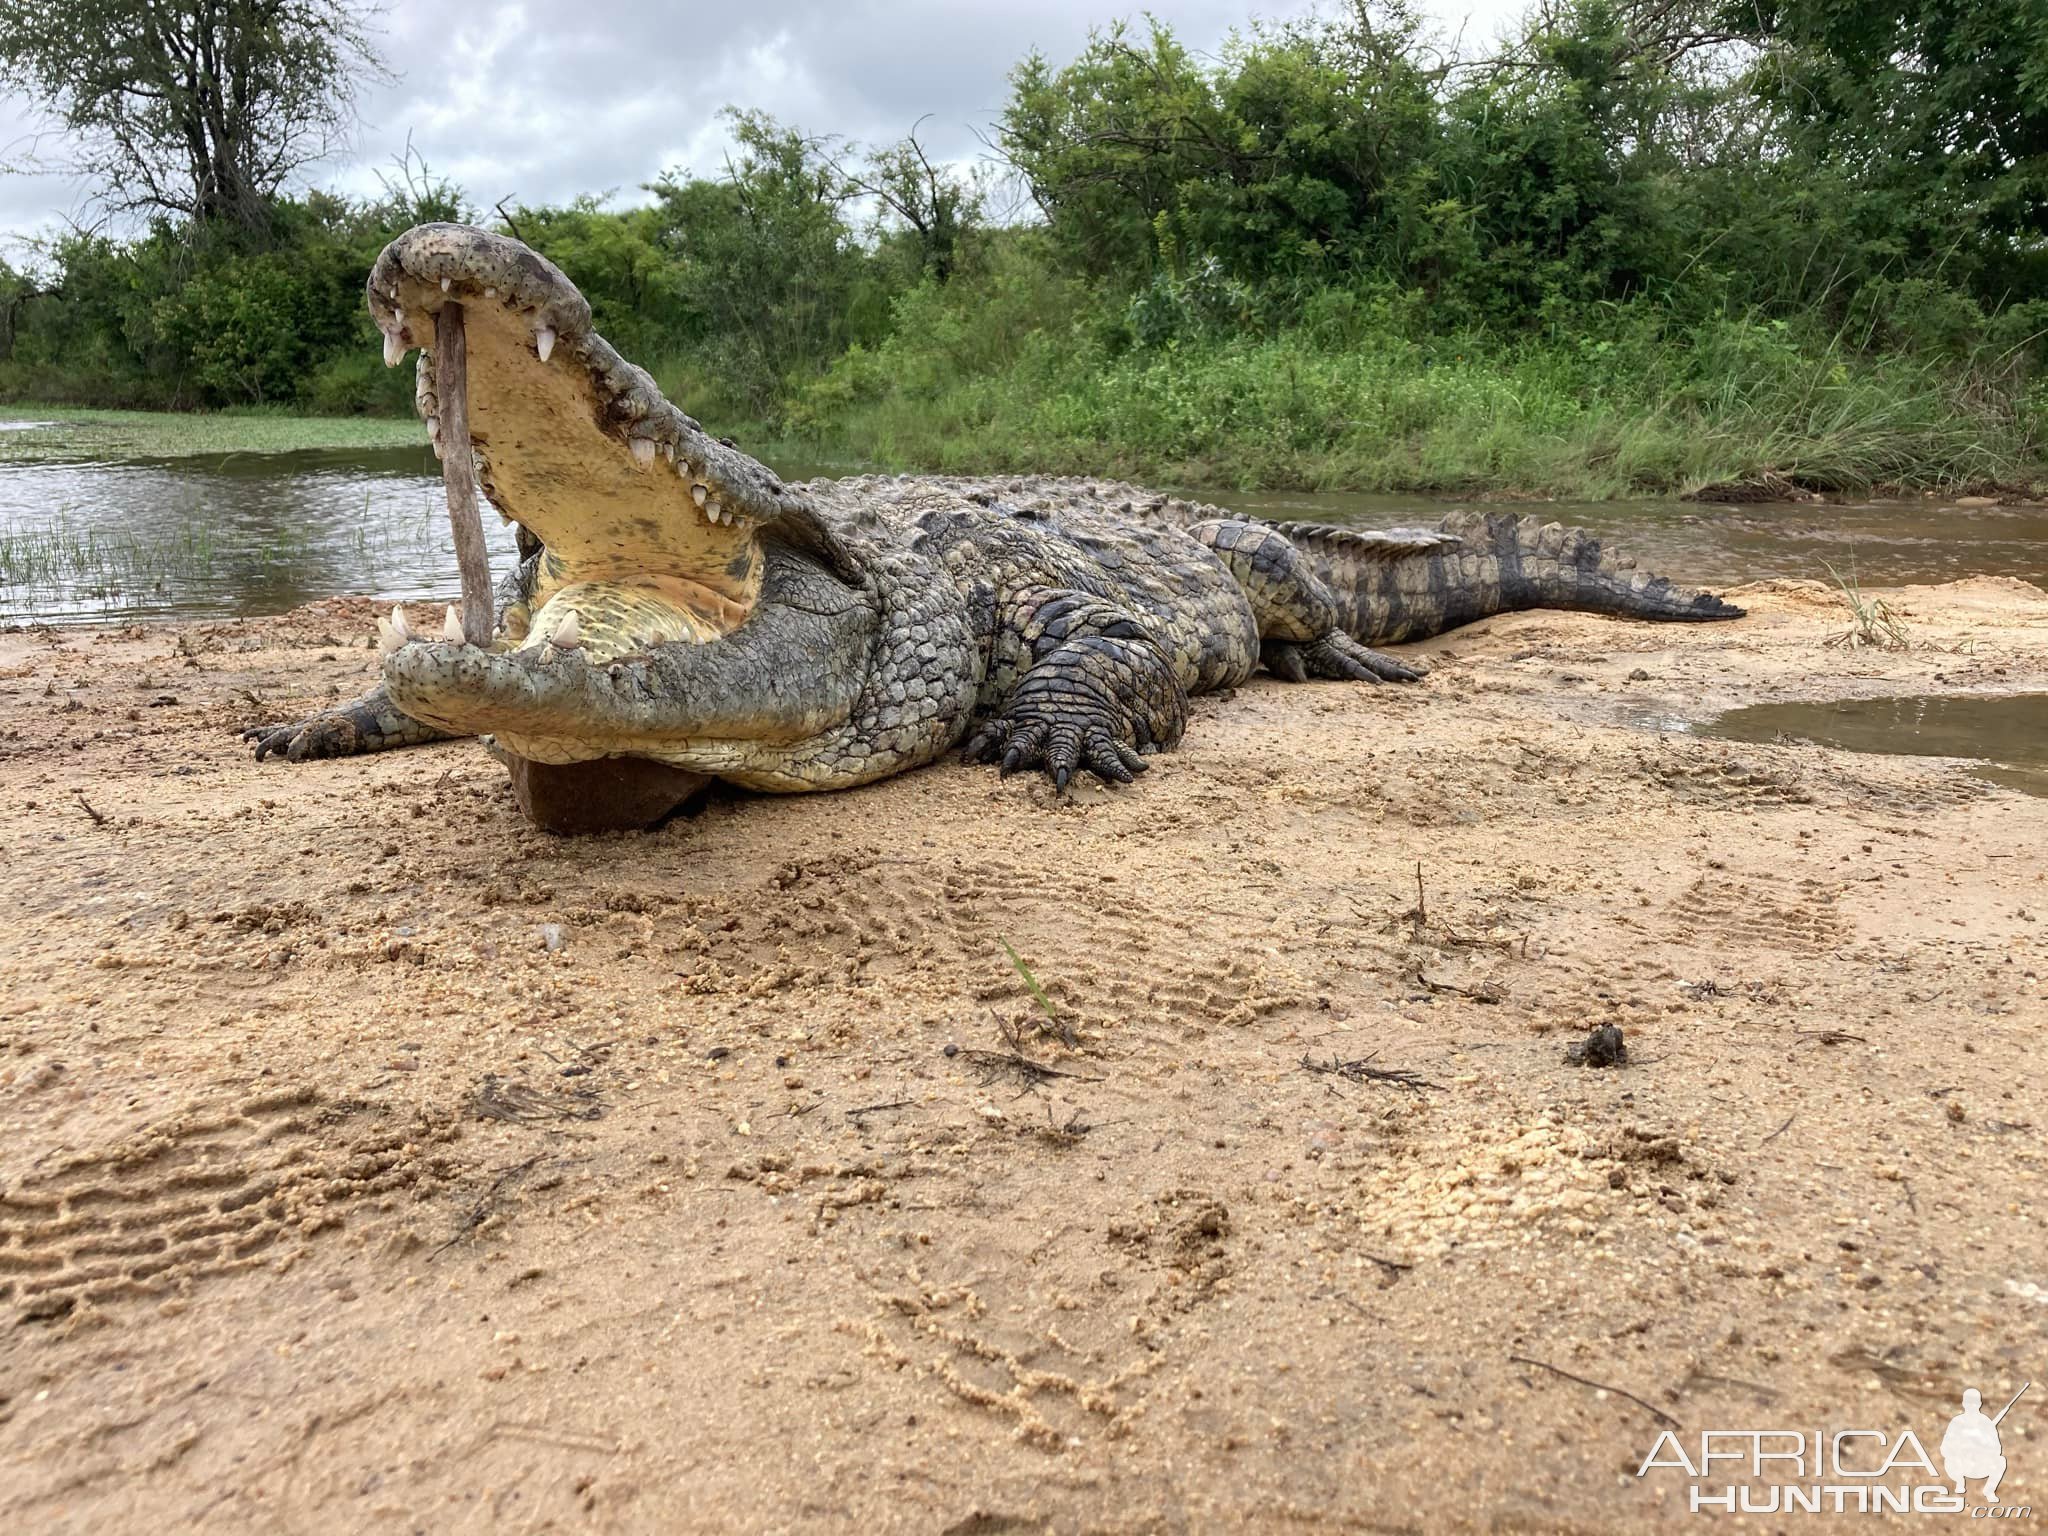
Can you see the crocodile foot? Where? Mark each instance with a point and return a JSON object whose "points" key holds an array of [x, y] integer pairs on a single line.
{"points": [[369, 724], [1335, 655], [1061, 734]]}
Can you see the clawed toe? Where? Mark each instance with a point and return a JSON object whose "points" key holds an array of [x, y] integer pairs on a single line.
{"points": [[270, 739], [1062, 750], [1335, 656], [316, 736]]}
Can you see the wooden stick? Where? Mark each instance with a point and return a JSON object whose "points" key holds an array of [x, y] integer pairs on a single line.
{"points": [[1600, 1386], [458, 473]]}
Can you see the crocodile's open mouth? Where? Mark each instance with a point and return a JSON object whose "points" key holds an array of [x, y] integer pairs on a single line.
{"points": [[648, 523], [641, 530]]}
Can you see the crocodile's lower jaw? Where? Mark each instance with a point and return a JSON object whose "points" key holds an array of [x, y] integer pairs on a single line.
{"points": [[542, 703], [555, 705]]}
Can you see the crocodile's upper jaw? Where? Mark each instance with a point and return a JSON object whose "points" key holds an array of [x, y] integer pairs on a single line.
{"points": [[650, 526]]}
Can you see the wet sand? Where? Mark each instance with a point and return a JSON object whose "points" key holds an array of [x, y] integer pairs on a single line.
{"points": [[374, 1162]]}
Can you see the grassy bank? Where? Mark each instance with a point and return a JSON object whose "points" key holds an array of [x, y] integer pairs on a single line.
{"points": [[73, 433], [1638, 411], [1349, 404]]}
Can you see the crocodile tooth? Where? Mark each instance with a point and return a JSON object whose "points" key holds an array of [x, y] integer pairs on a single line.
{"points": [[698, 493], [398, 625], [544, 342], [446, 284], [451, 625], [388, 639], [567, 635], [714, 511], [394, 350], [643, 451], [490, 293], [668, 451]]}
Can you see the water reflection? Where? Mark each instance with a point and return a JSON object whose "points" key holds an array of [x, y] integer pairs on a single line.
{"points": [[2009, 731]]}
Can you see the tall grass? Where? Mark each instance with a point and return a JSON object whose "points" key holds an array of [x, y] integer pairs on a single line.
{"points": [[1367, 405], [1024, 370], [61, 555]]}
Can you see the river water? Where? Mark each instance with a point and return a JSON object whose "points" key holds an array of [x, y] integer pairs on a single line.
{"points": [[258, 534]]}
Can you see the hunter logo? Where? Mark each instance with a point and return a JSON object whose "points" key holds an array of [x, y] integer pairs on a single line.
{"points": [[1849, 1471]]}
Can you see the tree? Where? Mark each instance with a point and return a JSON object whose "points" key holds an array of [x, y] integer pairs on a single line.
{"points": [[938, 207], [1938, 106], [769, 267], [15, 292], [197, 109], [1292, 156]]}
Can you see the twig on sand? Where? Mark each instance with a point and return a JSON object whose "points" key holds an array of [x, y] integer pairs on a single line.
{"points": [[1894, 1377], [99, 818], [1485, 992], [875, 1109], [1600, 1386], [1362, 1071], [1781, 1130], [498, 1099], [1417, 919], [479, 1213], [1067, 1133], [993, 1064]]}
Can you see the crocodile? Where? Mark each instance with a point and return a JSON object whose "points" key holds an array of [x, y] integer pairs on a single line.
{"points": [[680, 613]]}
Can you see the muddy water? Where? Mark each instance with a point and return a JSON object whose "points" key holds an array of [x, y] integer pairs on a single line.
{"points": [[1875, 544], [255, 534], [2008, 733]]}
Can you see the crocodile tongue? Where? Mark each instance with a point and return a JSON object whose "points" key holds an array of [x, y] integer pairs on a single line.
{"points": [[650, 525]]}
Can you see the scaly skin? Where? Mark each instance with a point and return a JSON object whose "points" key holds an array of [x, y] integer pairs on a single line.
{"points": [[800, 637]]}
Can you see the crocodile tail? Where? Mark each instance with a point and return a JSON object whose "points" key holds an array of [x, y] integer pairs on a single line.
{"points": [[1410, 583]]}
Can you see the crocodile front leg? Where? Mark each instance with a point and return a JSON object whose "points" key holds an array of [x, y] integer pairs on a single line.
{"points": [[371, 723], [1092, 690]]}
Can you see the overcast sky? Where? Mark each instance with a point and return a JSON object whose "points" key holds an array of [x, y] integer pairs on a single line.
{"points": [[541, 100]]}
